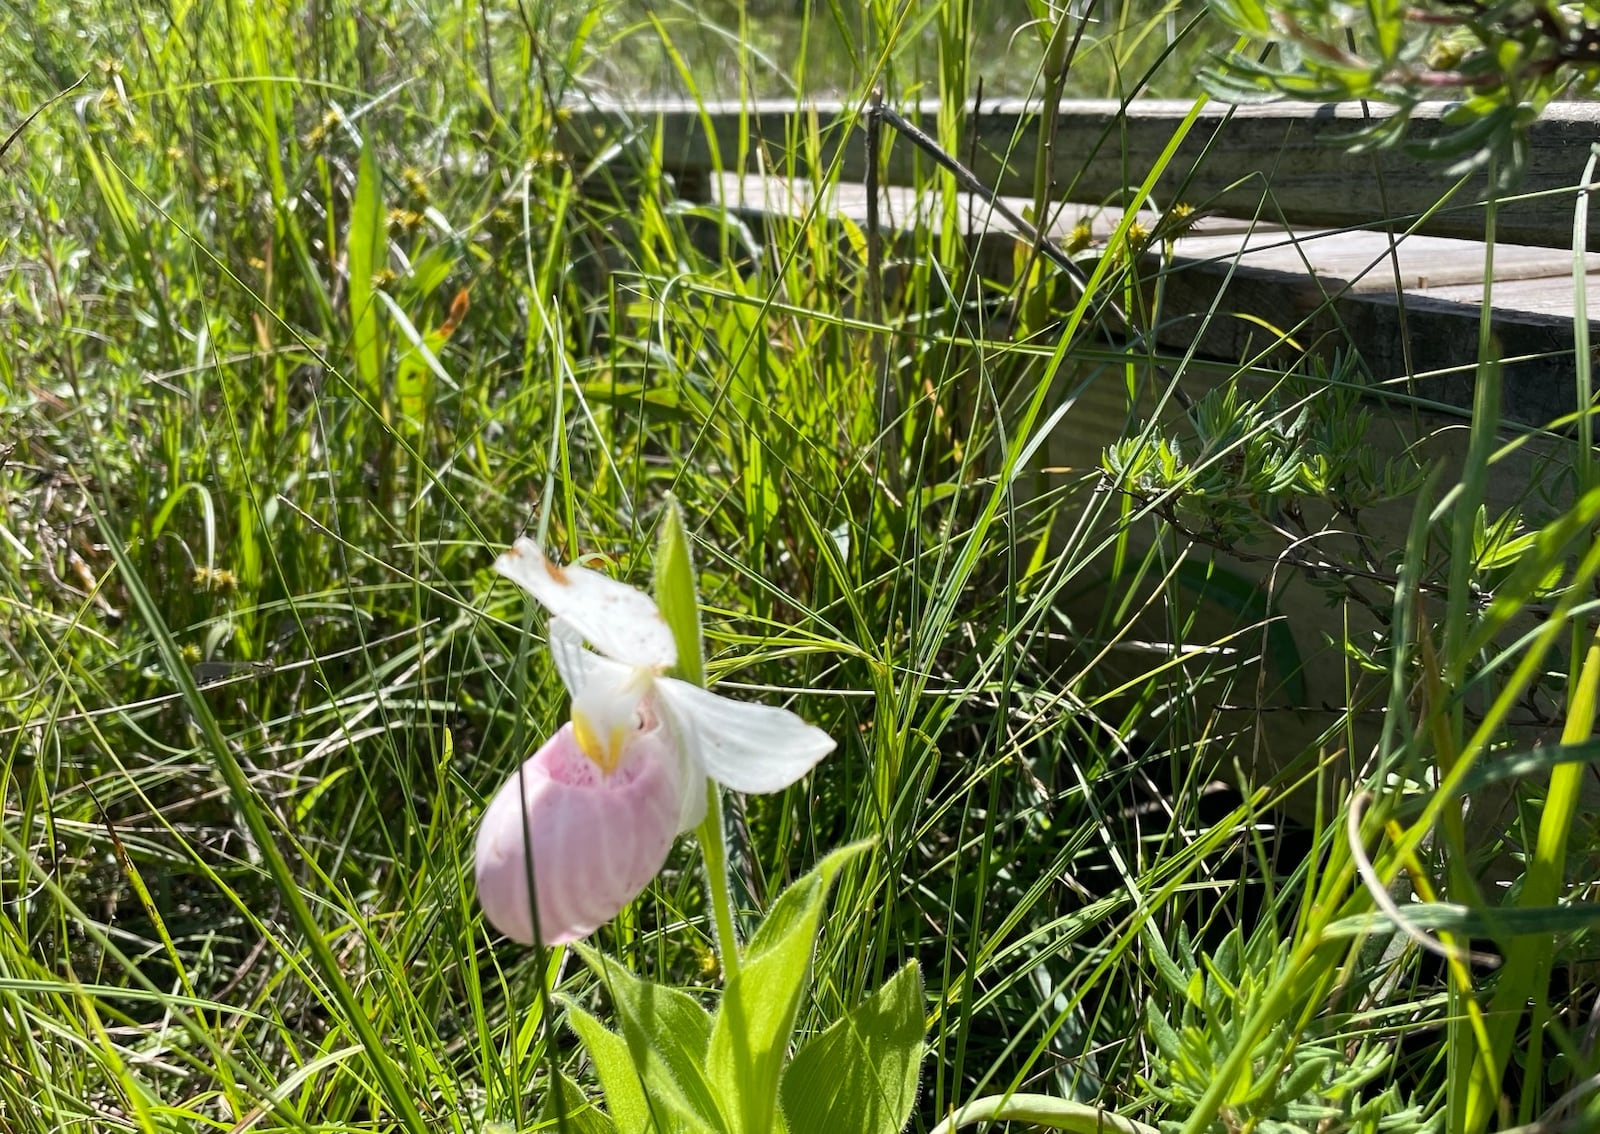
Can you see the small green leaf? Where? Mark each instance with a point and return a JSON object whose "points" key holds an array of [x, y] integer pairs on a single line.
{"points": [[859, 1076], [1388, 26], [1302, 1080], [1161, 957], [676, 594], [1248, 16], [751, 1033], [1161, 1031]]}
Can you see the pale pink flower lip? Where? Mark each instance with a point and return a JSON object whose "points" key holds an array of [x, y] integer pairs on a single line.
{"points": [[595, 840]]}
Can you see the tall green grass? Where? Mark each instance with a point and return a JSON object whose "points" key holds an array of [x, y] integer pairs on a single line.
{"points": [[309, 313]]}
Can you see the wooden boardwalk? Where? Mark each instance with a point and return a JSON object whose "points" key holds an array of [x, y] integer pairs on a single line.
{"points": [[1294, 234], [1340, 250]]}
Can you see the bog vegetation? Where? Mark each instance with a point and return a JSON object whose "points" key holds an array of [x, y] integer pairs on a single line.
{"points": [[309, 310]]}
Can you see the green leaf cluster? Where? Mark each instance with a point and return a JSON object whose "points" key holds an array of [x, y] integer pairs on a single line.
{"points": [[1503, 61], [1293, 1083], [1247, 465], [672, 1067]]}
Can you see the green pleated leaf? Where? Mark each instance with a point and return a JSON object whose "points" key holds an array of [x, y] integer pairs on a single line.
{"points": [[750, 1035], [859, 1076], [641, 1093], [613, 1066], [666, 1032]]}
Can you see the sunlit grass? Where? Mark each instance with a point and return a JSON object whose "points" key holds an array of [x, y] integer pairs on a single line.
{"points": [[307, 317]]}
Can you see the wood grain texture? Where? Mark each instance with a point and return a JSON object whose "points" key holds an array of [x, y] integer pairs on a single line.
{"points": [[1368, 262], [1329, 292], [1549, 296], [1227, 316], [1102, 148]]}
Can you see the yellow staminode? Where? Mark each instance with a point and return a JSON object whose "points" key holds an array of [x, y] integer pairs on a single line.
{"points": [[605, 755]]}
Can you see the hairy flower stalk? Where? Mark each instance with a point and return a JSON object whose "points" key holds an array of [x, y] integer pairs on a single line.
{"points": [[590, 817]]}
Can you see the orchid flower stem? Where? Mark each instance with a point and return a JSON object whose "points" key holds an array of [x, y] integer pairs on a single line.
{"points": [[714, 844]]}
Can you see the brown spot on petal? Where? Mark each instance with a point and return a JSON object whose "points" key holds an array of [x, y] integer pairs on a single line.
{"points": [[557, 572]]}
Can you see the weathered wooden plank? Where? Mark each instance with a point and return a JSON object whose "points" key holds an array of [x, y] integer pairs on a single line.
{"points": [[1229, 282], [1433, 339], [902, 208], [1226, 163], [1549, 296], [1364, 262], [1357, 261]]}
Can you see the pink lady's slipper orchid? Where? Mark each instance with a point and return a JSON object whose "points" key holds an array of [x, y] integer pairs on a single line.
{"points": [[591, 815]]}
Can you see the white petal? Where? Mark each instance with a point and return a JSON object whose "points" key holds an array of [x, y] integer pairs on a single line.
{"points": [[747, 747], [577, 666], [622, 623], [692, 809], [606, 695]]}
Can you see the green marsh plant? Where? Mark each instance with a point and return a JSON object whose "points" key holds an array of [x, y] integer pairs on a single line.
{"points": [[587, 821], [307, 307]]}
